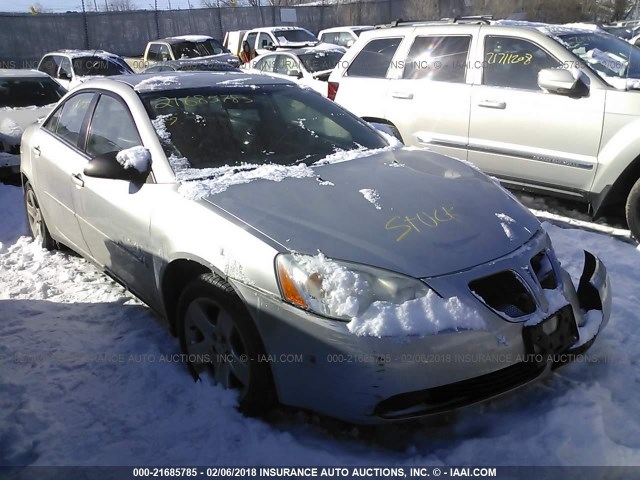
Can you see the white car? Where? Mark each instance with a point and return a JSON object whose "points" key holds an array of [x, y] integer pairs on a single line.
{"points": [[25, 97], [267, 39], [343, 36], [72, 67], [310, 66]]}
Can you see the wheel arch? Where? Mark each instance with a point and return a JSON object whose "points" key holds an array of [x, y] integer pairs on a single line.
{"points": [[617, 190]]}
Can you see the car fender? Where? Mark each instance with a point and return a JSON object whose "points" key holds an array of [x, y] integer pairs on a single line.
{"points": [[615, 157]]}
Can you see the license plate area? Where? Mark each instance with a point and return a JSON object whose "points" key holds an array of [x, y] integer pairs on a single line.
{"points": [[552, 336]]}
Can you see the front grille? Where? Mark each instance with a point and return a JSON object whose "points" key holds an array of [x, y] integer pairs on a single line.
{"points": [[505, 293], [459, 394]]}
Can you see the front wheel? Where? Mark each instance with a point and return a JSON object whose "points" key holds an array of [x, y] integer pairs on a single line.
{"points": [[219, 339], [632, 210], [37, 226]]}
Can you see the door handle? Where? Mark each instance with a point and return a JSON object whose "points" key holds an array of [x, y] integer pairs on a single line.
{"points": [[402, 95], [36, 151], [493, 104], [77, 180]]}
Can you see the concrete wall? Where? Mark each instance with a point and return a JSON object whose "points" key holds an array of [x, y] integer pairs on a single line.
{"points": [[24, 38]]}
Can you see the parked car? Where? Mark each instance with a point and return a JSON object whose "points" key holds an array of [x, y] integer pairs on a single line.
{"points": [[343, 36], [267, 39], [211, 195], [72, 67], [192, 65], [25, 97], [549, 109], [309, 66], [182, 47]]}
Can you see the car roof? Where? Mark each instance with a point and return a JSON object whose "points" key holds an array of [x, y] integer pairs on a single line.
{"points": [[159, 81], [83, 53], [271, 29], [21, 73], [349, 28], [312, 49], [183, 38]]}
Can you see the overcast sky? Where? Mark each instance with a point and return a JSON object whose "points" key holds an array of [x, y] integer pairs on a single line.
{"points": [[64, 5]]}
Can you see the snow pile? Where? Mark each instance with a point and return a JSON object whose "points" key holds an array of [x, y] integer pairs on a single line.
{"points": [[372, 196], [10, 132], [156, 83], [343, 292], [427, 315], [591, 327], [137, 158], [196, 184]]}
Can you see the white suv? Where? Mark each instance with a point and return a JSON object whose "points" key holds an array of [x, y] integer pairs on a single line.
{"points": [[545, 108]]}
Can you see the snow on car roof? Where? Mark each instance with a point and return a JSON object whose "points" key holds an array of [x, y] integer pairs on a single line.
{"points": [[144, 82], [84, 53], [550, 29], [349, 28], [187, 38], [20, 73], [275, 29]]}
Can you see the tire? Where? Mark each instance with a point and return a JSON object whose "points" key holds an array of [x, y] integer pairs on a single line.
{"points": [[37, 226], [632, 210], [219, 338]]}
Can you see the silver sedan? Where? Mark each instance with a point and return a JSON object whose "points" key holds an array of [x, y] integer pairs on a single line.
{"points": [[298, 254]]}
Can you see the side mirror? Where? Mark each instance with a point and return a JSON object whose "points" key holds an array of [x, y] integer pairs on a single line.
{"points": [[561, 82], [64, 75], [350, 43], [132, 164], [294, 73]]}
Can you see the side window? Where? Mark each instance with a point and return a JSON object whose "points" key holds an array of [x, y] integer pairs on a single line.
{"points": [[374, 59], [112, 128], [164, 53], [251, 40], [153, 54], [266, 64], [344, 38], [284, 64], [66, 70], [440, 59], [328, 38], [514, 63], [49, 66], [52, 123], [264, 41], [72, 116]]}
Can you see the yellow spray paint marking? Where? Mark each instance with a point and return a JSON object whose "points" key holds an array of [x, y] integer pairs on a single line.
{"points": [[509, 58], [422, 221]]}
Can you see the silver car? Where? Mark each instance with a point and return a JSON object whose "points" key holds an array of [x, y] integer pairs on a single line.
{"points": [[298, 256]]}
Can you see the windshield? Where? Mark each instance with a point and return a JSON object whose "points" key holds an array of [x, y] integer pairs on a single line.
{"points": [[319, 61], [99, 66], [202, 48], [27, 92], [270, 124], [296, 35], [608, 55]]}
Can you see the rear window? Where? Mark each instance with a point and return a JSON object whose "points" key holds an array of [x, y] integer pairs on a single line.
{"points": [[441, 59], [374, 59], [279, 124], [27, 92], [98, 66]]}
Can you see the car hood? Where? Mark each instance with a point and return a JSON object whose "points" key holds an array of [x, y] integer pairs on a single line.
{"points": [[220, 57], [13, 122], [410, 211]]}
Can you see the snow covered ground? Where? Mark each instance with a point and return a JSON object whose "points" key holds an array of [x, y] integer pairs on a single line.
{"points": [[87, 378]]}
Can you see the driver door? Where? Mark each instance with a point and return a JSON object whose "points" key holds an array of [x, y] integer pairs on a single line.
{"points": [[114, 215]]}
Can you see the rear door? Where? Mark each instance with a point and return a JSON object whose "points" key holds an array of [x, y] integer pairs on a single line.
{"points": [[524, 135], [57, 150], [364, 88], [429, 96]]}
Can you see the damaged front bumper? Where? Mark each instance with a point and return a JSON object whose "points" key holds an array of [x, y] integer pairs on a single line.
{"points": [[318, 364]]}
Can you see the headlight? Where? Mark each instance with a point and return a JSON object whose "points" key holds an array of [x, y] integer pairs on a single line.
{"points": [[341, 290]]}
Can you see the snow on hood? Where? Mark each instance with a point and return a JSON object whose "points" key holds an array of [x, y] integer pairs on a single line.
{"points": [[432, 210], [10, 131]]}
